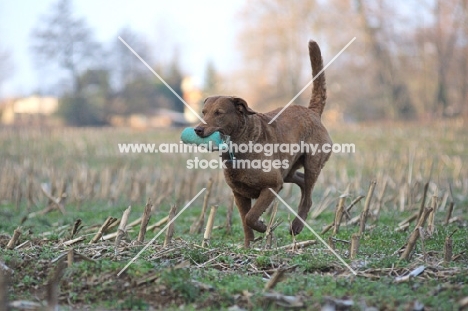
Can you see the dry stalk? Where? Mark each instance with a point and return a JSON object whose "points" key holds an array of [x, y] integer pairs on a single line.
{"points": [[288, 191], [76, 228], [331, 242], [339, 214], [423, 202], [458, 256], [70, 257], [322, 205], [19, 195], [271, 225], [365, 212], [415, 235], [192, 184], [275, 279], [105, 183], [14, 239], [443, 202], [23, 244], [404, 224], [58, 202], [73, 241], [346, 212], [431, 219], [153, 208], [144, 221], [122, 231], [170, 229], [448, 247], [326, 228], [449, 213], [402, 228], [403, 191], [198, 224], [41, 212], [463, 303], [209, 226], [422, 235], [105, 226], [296, 245], [179, 192], [354, 248], [229, 216], [148, 279], [149, 228], [158, 224], [380, 199], [30, 191], [408, 220], [53, 188]]}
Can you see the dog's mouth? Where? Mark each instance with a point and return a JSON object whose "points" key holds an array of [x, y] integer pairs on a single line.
{"points": [[207, 131]]}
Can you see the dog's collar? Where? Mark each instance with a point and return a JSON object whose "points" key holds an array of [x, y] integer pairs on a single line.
{"points": [[225, 145]]}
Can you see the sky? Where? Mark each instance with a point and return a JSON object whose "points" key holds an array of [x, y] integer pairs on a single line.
{"points": [[200, 30]]}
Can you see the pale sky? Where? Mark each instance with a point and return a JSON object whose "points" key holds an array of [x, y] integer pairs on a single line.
{"points": [[201, 30]]}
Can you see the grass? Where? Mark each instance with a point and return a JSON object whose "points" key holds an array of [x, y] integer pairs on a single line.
{"points": [[224, 274]]}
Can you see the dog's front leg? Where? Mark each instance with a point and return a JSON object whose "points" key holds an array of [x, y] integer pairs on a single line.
{"points": [[244, 204], [260, 206]]}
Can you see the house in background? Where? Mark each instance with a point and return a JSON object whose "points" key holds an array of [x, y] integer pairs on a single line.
{"points": [[33, 110], [162, 118], [193, 97], [40, 111]]}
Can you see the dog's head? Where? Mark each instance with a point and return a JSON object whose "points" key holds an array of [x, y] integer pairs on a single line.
{"points": [[225, 114]]}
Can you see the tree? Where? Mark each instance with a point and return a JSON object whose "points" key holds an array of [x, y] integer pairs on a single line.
{"points": [[63, 40], [409, 59], [212, 79], [273, 44], [392, 85], [91, 105], [123, 64], [173, 76], [6, 66]]}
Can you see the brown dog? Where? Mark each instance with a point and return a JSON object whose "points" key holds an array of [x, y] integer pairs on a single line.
{"points": [[232, 116]]}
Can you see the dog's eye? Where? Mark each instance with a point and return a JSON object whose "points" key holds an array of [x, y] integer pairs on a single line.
{"points": [[217, 113]]}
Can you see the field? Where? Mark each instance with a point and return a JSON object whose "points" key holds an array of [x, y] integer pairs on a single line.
{"points": [[58, 185]]}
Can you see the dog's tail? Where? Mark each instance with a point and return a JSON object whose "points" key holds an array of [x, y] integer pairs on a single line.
{"points": [[319, 92]]}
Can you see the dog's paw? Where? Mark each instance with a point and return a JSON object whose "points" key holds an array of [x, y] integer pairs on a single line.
{"points": [[258, 226], [296, 226]]}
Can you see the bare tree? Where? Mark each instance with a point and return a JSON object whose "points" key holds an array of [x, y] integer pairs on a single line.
{"points": [[446, 25], [124, 66], [463, 61], [273, 43], [64, 40], [6, 66], [410, 59], [390, 81]]}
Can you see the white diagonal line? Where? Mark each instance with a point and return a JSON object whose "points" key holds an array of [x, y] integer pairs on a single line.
{"points": [[162, 80], [310, 82], [159, 233], [315, 233]]}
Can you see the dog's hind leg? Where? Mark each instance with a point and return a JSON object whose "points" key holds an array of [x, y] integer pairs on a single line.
{"points": [[298, 179], [310, 177], [243, 205]]}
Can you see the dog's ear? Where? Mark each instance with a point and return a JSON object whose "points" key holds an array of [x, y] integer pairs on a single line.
{"points": [[241, 105]]}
